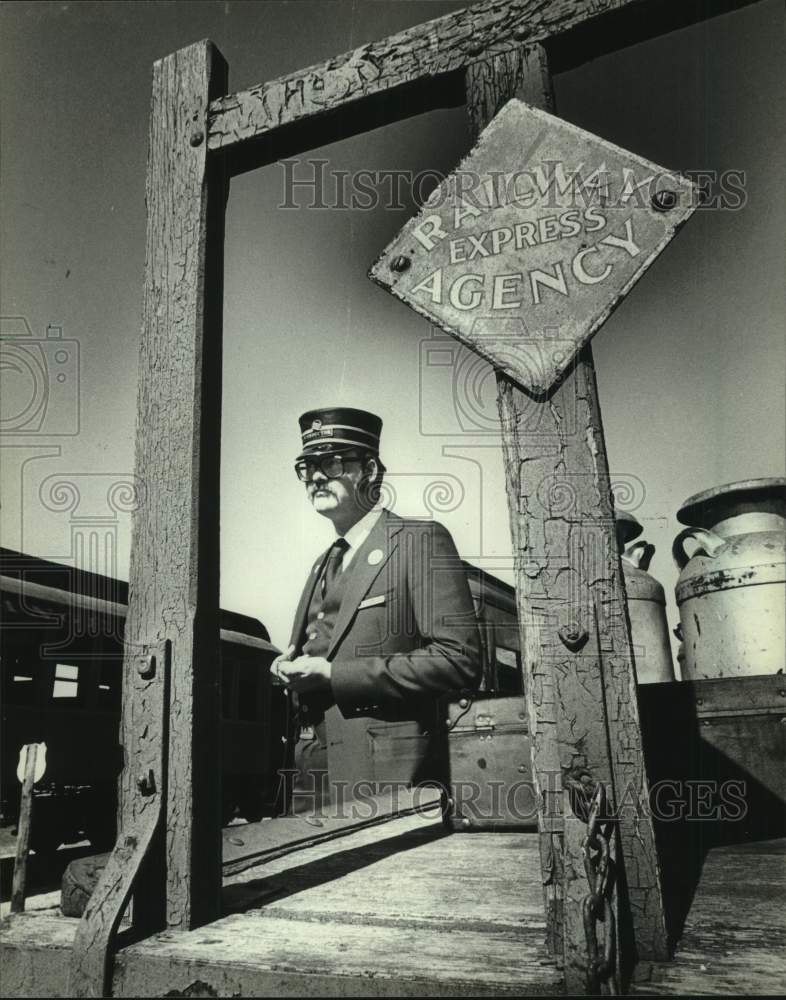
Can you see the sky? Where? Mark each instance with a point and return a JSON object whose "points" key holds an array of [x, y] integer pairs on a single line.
{"points": [[691, 367]]}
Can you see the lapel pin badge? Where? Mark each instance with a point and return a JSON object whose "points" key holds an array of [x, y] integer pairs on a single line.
{"points": [[375, 557]]}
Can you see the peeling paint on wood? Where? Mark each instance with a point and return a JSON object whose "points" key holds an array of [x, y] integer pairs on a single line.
{"points": [[440, 46], [173, 591], [582, 704]]}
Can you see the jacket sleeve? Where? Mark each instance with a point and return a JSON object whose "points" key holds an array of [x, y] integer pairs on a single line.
{"points": [[446, 655]]}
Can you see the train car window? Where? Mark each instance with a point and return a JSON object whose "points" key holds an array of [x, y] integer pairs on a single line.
{"points": [[508, 664], [20, 682], [66, 681]]}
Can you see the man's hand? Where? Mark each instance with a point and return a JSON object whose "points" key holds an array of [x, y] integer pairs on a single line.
{"points": [[275, 666], [306, 673]]}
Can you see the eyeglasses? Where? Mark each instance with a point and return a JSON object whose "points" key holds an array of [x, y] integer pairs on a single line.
{"points": [[331, 465]]}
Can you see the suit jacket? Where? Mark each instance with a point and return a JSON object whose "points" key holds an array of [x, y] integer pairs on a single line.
{"points": [[405, 634]]}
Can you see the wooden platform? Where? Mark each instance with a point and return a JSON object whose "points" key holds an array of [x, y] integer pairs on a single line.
{"points": [[733, 942], [404, 910], [396, 910]]}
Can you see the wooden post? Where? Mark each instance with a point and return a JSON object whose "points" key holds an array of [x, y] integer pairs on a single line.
{"points": [[174, 575], [23, 830], [168, 850], [582, 701], [491, 83]]}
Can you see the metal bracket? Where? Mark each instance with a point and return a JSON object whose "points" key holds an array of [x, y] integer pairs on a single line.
{"points": [[92, 958], [573, 636], [93, 953]]}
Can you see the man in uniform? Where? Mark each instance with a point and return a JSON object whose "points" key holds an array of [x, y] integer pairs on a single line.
{"points": [[384, 627]]}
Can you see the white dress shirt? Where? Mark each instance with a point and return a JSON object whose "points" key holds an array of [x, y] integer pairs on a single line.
{"points": [[358, 533]]}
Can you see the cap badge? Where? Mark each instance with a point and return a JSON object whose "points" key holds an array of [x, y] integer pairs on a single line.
{"points": [[375, 557], [316, 425]]}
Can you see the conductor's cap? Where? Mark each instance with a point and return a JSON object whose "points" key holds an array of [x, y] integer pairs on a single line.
{"points": [[338, 429]]}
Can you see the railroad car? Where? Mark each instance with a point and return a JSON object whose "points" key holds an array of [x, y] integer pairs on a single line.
{"points": [[62, 651]]}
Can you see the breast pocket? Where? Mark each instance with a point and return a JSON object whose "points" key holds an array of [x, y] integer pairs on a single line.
{"points": [[374, 622], [373, 602]]}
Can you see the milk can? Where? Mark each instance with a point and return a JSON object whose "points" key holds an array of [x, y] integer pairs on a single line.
{"points": [[731, 592], [646, 605]]}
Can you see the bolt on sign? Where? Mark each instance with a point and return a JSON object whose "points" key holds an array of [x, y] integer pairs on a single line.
{"points": [[525, 250]]}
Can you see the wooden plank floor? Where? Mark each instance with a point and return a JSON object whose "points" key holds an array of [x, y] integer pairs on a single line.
{"points": [[399, 910], [734, 939], [402, 910], [394, 910]]}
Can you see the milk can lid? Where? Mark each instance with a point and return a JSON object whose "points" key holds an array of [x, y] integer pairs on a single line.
{"points": [[704, 509], [628, 527]]}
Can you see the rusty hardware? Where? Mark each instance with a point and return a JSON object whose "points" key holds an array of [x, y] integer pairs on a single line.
{"points": [[146, 667], [573, 636], [581, 787], [146, 783], [597, 906], [400, 263], [664, 201], [197, 137]]}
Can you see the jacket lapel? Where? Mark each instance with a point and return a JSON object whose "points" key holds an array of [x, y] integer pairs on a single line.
{"points": [[299, 625], [362, 572]]}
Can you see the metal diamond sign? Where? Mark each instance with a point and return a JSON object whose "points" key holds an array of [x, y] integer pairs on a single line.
{"points": [[525, 250]]}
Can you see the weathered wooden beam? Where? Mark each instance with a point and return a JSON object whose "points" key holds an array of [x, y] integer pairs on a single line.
{"points": [[581, 702], [168, 849], [426, 50], [376, 110], [173, 590], [631, 25], [490, 83]]}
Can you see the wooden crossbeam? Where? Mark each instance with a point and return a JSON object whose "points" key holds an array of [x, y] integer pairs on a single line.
{"points": [[427, 50], [422, 68]]}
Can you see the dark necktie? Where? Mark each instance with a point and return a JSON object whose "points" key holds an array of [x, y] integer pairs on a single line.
{"points": [[333, 564]]}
